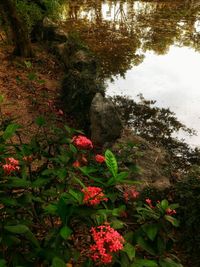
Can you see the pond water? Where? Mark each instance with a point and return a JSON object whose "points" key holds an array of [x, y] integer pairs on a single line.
{"points": [[145, 47]]}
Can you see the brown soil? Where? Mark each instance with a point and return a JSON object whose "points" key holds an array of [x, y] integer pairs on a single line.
{"points": [[30, 87]]}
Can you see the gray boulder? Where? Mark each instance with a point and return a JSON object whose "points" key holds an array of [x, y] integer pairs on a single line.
{"points": [[106, 125], [152, 161]]}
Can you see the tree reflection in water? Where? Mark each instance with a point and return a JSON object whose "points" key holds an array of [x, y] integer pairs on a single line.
{"points": [[120, 32]]}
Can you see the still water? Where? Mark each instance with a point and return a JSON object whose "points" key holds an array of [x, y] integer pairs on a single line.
{"points": [[146, 47]]}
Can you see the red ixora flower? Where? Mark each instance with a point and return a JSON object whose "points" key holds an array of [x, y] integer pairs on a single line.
{"points": [[11, 165], [99, 158], [82, 142], [131, 193], [76, 164], [93, 195], [170, 211], [106, 241], [149, 202]]}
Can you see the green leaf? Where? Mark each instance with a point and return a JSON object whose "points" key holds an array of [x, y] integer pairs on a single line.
{"points": [[164, 204], [172, 220], [61, 173], [51, 209], [173, 206], [2, 263], [8, 201], [10, 130], [17, 229], [40, 182], [151, 230], [146, 245], [79, 181], [40, 121], [30, 236], [130, 251], [118, 211], [144, 263], [73, 148], [111, 162], [117, 224], [77, 195], [57, 262], [65, 232], [17, 182], [167, 262], [121, 176], [22, 229], [124, 261], [32, 76]]}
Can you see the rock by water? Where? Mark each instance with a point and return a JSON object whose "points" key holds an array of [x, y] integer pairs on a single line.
{"points": [[106, 125]]}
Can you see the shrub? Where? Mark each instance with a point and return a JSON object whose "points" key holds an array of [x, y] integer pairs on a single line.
{"points": [[45, 200], [187, 193]]}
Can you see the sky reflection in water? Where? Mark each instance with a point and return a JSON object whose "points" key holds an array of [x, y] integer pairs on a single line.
{"points": [[172, 79]]}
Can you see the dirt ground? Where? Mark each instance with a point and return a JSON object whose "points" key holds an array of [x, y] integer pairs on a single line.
{"points": [[30, 87]]}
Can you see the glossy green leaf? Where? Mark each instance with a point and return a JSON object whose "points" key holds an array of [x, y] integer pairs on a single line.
{"points": [[130, 251], [57, 262], [164, 204], [111, 162], [22, 229], [151, 230], [17, 229], [65, 232]]}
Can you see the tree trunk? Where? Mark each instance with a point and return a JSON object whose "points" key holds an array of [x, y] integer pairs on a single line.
{"points": [[19, 32]]}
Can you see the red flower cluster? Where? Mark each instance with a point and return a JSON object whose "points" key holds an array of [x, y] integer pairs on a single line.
{"points": [[149, 202], [93, 195], [170, 211], [99, 158], [131, 193], [11, 165], [82, 142], [107, 240]]}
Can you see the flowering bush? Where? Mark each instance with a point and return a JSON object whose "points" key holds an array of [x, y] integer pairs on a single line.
{"points": [[51, 186]]}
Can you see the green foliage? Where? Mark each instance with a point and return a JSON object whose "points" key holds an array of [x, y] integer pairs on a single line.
{"points": [[30, 12], [43, 204], [187, 193]]}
